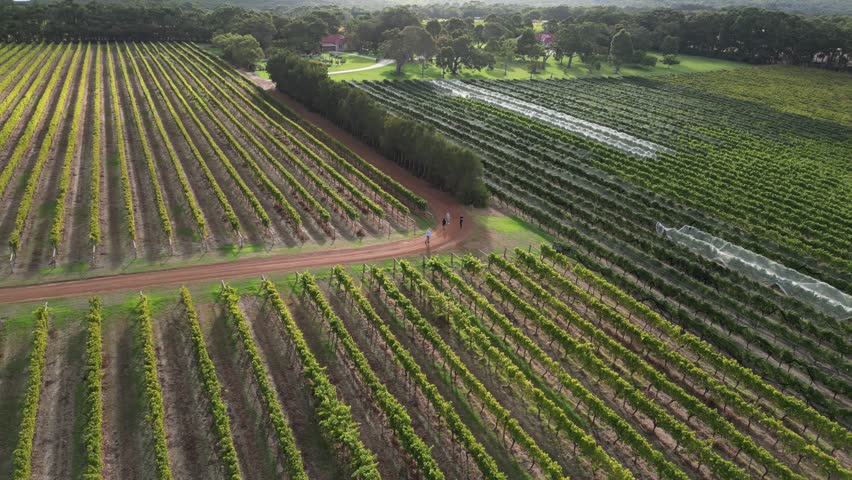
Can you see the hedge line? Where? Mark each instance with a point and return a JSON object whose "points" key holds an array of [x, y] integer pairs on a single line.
{"points": [[413, 145]]}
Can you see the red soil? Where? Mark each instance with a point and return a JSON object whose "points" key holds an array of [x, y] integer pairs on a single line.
{"points": [[439, 203]]}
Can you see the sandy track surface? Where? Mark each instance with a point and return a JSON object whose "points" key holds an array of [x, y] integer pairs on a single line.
{"points": [[438, 202]]}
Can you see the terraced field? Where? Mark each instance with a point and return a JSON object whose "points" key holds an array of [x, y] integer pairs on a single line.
{"points": [[524, 366], [110, 152]]}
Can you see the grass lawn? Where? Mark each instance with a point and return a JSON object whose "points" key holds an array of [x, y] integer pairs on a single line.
{"points": [[353, 61], [261, 70], [518, 70], [514, 232]]}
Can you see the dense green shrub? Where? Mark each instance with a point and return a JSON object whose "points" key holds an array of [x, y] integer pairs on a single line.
{"points": [[411, 144]]}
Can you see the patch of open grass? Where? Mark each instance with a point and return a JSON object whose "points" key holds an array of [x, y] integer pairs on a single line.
{"points": [[513, 231], [518, 70], [353, 61]]}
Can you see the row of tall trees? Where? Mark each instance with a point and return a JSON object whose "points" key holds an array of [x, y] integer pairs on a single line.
{"points": [[73, 20], [69, 20], [745, 34], [456, 44], [542, 8], [413, 145], [596, 35], [399, 34]]}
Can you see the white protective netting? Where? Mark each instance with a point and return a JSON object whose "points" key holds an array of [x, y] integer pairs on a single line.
{"points": [[820, 295], [593, 131]]}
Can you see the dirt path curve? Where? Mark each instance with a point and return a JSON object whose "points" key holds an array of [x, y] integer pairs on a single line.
{"points": [[439, 203]]}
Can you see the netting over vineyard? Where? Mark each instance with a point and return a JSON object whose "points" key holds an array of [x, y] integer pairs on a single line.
{"points": [[619, 140], [759, 268]]}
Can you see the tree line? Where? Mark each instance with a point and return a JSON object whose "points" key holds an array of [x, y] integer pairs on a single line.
{"points": [[751, 35], [480, 36], [599, 34], [411, 144], [70, 20]]}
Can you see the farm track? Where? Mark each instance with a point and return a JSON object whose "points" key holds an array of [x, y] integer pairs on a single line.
{"points": [[188, 432]]}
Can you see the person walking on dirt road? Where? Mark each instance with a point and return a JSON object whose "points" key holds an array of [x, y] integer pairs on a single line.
{"points": [[461, 221], [428, 236], [444, 224], [447, 217]]}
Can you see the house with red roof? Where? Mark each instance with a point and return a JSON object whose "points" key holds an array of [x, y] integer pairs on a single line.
{"points": [[333, 43], [545, 39]]}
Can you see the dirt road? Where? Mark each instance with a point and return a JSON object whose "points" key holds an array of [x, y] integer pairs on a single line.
{"points": [[439, 203]]}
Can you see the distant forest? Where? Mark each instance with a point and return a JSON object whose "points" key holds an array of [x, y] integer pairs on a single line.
{"points": [[746, 34], [439, 9]]}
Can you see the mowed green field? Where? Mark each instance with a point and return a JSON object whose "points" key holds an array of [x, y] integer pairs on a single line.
{"points": [[353, 61], [518, 71]]}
